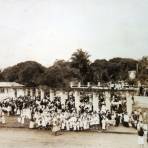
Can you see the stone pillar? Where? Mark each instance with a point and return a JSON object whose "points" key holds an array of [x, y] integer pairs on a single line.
{"points": [[108, 103], [36, 92], [64, 96], [51, 95], [88, 84], [79, 84], [129, 103], [31, 92], [95, 102], [77, 100], [42, 93]]}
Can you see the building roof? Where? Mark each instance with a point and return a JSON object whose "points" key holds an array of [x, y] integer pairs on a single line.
{"points": [[10, 84]]}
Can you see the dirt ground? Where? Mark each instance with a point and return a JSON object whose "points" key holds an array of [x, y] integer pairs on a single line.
{"points": [[26, 138]]}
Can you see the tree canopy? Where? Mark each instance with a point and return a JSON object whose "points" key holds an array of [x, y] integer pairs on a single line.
{"points": [[26, 73], [80, 61], [78, 68]]}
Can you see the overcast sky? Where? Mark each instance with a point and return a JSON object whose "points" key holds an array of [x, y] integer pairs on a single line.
{"points": [[46, 30]]}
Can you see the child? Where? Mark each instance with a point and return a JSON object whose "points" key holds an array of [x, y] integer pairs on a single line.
{"points": [[141, 137]]}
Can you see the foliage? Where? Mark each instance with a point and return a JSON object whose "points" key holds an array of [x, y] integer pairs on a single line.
{"points": [[79, 68], [26, 73], [80, 60]]}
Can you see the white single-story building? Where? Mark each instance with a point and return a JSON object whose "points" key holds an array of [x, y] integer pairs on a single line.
{"points": [[10, 89], [13, 90]]}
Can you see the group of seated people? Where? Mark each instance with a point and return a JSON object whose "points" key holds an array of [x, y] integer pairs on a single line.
{"points": [[52, 114]]}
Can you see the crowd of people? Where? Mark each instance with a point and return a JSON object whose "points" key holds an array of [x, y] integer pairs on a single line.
{"points": [[44, 113]]}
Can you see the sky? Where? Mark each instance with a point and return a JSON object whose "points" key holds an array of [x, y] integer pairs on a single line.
{"points": [[46, 30]]}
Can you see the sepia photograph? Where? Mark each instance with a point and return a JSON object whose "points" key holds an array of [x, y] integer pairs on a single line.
{"points": [[74, 73]]}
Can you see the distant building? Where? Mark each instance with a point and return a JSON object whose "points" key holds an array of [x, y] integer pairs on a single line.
{"points": [[10, 89], [13, 90]]}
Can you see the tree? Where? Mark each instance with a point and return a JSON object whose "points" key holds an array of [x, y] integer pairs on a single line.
{"points": [[53, 77], [80, 60], [70, 73], [26, 73], [98, 67], [59, 75], [1, 76], [119, 67]]}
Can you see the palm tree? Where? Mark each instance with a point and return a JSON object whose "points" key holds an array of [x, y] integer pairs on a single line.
{"points": [[80, 60]]}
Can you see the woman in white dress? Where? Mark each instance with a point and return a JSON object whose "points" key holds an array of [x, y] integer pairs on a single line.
{"points": [[32, 123], [85, 123], [67, 125], [18, 112], [141, 117], [71, 123], [28, 113], [103, 124], [63, 124], [8, 110], [74, 125], [43, 122], [78, 125], [22, 119]]}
